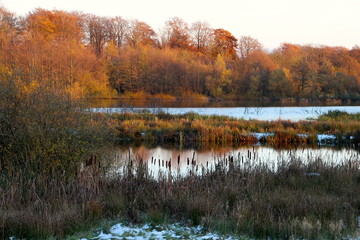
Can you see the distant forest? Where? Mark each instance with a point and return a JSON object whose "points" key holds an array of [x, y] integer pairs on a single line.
{"points": [[92, 56]]}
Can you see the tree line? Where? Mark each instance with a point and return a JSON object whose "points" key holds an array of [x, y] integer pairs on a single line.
{"points": [[93, 56]]}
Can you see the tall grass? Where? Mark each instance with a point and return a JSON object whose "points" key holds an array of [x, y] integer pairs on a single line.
{"points": [[312, 200], [297, 199]]}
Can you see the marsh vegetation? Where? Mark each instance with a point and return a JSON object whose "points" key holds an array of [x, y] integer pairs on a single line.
{"points": [[55, 164]]}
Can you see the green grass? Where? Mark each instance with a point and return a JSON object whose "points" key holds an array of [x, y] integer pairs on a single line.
{"points": [[339, 116]]}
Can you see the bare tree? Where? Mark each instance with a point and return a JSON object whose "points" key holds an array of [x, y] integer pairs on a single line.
{"points": [[247, 45], [117, 29], [201, 34], [96, 34]]}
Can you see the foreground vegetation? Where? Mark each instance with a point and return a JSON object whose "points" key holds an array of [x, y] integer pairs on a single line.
{"points": [[55, 181], [313, 200]]}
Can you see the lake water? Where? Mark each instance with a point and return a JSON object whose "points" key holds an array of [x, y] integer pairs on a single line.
{"points": [[259, 113], [246, 110], [159, 159], [176, 161]]}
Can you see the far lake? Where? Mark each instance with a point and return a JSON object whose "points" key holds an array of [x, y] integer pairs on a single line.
{"points": [[246, 110]]}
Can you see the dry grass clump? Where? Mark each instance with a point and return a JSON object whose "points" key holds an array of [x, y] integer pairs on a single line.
{"points": [[164, 97], [192, 96], [140, 95]]}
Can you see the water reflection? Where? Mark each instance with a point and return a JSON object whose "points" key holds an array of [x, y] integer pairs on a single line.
{"points": [[162, 160]]}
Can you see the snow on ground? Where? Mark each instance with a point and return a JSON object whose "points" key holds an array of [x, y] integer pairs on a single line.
{"points": [[172, 231]]}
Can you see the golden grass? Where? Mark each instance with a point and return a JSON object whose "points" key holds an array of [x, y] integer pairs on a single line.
{"points": [[164, 97], [225, 130]]}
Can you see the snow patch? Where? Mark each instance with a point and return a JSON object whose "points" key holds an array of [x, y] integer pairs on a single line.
{"points": [[325, 137], [172, 231]]}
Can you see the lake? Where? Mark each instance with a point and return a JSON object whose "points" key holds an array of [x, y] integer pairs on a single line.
{"points": [[165, 160], [245, 110], [159, 158], [259, 113]]}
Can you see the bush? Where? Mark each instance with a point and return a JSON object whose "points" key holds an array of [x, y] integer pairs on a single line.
{"points": [[44, 139]]}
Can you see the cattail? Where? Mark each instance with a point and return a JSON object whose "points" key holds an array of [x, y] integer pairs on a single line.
{"points": [[188, 161], [179, 159]]}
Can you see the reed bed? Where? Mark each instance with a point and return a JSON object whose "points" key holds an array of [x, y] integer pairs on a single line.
{"points": [[192, 129], [299, 199]]}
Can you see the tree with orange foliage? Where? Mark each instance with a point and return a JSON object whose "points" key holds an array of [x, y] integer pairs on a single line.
{"points": [[8, 34], [257, 68], [224, 42], [218, 83], [141, 34], [355, 53], [287, 54], [177, 34], [58, 26]]}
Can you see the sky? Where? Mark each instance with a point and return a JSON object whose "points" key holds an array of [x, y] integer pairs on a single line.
{"points": [[272, 22]]}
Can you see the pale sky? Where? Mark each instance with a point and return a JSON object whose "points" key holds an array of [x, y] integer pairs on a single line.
{"points": [[272, 22]]}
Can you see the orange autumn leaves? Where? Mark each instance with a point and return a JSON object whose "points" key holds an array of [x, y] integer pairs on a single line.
{"points": [[93, 56]]}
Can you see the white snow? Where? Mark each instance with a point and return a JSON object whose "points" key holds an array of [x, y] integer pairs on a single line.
{"points": [[144, 232], [324, 137]]}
